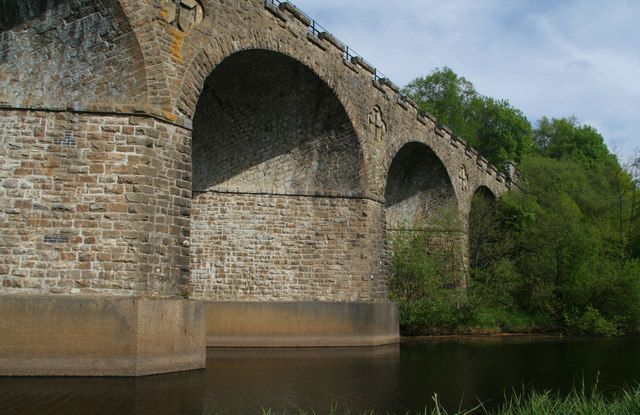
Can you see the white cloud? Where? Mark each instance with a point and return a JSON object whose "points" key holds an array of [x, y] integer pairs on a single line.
{"points": [[554, 58]]}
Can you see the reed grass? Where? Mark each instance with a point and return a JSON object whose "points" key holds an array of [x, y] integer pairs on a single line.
{"points": [[580, 401]]}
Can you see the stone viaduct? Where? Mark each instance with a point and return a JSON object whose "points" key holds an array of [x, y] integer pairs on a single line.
{"points": [[175, 172]]}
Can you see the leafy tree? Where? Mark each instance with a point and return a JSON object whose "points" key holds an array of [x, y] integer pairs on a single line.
{"points": [[499, 131], [565, 261], [563, 251], [448, 97], [633, 168], [494, 279], [502, 131], [564, 138]]}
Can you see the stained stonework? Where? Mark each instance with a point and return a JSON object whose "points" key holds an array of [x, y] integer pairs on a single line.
{"points": [[106, 215], [183, 14], [229, 153]]}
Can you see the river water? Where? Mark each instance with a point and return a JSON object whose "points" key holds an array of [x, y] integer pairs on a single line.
{"points": [[392, 379]]}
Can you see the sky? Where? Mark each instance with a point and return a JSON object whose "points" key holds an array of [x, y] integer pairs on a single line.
{"points": [[550, 58]]}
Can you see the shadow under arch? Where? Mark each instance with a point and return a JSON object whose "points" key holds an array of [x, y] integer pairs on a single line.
{"points": [[482, 208], [484, 192], [277, 208], [483, 225], [265, 122], [418, 186]]}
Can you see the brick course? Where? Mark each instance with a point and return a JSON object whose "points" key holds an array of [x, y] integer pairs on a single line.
{"points": [[101, 216]]}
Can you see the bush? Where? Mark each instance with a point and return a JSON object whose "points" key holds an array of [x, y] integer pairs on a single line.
{"points": [[428, 277], [590, 321]]}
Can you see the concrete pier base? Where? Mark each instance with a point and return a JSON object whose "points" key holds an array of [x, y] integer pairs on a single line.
{"points": [[99, 336], [301, 324]]}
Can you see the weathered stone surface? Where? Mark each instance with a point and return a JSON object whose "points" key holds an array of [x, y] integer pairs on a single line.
{"points": [[98, 336], [105, 212], [69, 50], [283, 248], [301, 324]]}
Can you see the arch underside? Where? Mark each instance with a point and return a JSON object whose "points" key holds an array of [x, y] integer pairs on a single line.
{"points": [[69, 50], [418, 187], [277, 211], [265, 123]]}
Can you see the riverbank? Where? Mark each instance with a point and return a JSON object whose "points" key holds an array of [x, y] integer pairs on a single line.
{"points": [[489, 335], [504, 335]]}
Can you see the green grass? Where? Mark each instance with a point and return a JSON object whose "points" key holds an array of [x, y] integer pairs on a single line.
{"points": [[577, 402]]}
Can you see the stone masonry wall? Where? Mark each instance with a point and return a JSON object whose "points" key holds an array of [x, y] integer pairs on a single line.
{"points": [[277, 177], [92, 204], [268, 247], [69, 50]]}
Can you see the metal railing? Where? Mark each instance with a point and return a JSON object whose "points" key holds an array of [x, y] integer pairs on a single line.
{"points": [[316, 29]]}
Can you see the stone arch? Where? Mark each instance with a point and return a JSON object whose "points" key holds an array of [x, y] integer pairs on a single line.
{"points": [[284, 130], [485, 191], [210, 56], [482, 203], [418, 185], [277, 184], [82, 51], [203, 54]]}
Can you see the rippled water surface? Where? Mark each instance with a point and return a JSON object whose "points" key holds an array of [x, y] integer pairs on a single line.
{"points": [[387, 379]]}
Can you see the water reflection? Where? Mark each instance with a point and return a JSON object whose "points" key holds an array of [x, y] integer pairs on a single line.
{"points": [[243, 381], [388, 379], [180, 393]]}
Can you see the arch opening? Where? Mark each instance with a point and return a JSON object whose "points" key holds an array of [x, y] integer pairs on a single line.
{"points": [[484, 227], [277, 212], [418, 187], [425, 235], [266, 123]]}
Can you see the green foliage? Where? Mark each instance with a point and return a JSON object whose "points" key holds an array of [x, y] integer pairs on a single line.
{"points": [[502, 131], [509, 320], [499, 131], [562, 254], [633, 169], [577, 402], [564, 138], [427, 276], [448, 97], [590, 321]]}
